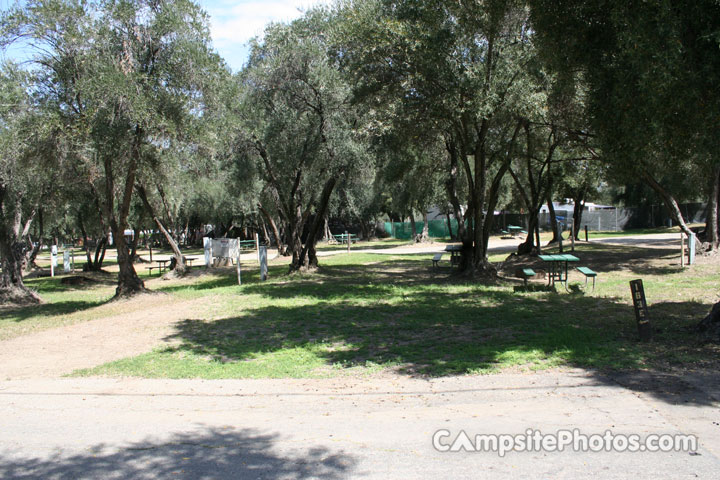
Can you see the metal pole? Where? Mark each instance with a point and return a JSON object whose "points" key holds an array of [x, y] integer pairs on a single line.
{"points": [[348, 240], [586, 234], [150, 247], [572, 236]]}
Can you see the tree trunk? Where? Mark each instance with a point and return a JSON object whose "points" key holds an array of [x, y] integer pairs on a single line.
{"points": [[712, 226], [424, 236], [363, 230], [100, 250], [669, 201], [308, 254], [493, 197], [578, 208], [12, 287], [274, 228], [529, 245], [186, 233], [327, 234], [128, 281], [553, 221], [266, 237], [180, 267], [452, 191], [296, 225], [413, 228], [449, 224], [711, 323], [35, 249], [134, 243]]}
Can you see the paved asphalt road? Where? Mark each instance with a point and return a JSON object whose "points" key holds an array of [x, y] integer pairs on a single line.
{"points": [[347, 428]]}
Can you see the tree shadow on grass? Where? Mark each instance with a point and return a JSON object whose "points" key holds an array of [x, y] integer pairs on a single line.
{"points": [[430, 331], [225, 277], [64, 283], [19, 314], [610, 258], [215, 454], [329, 274]]}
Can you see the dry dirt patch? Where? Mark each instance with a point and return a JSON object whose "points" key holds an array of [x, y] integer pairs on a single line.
{"points": [[144, 323]]}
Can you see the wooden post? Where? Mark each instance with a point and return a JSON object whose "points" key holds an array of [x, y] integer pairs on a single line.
{"points": [[586, 234], [257, 246], [348, 240], [641, 310], [150, 247], [682, 249], [572, 237], [72, 254]]}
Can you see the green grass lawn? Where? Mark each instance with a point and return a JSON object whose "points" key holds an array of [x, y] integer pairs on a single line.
{"points": [[364, 313]]}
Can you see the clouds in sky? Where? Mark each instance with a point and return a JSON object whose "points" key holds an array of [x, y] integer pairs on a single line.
{"points": [[234, 23]]}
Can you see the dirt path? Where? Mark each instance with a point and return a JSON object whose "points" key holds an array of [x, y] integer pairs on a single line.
{"points": [[147, 321]]}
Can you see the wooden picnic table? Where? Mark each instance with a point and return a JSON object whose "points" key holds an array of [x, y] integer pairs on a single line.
{"points": [[559, 267]]}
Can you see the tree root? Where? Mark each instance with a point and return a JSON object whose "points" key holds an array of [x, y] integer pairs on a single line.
{"points": [[19, 296], [711, 323]]}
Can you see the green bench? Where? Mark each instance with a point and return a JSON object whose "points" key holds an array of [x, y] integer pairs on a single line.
{"points": [[588, 274], [436, 259], [527, 273]]}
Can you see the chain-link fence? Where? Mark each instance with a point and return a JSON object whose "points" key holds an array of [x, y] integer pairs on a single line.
{"points": [[606, 219]]}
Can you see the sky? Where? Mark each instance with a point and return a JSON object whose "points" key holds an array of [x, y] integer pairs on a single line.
{"points": [[234, 22]]}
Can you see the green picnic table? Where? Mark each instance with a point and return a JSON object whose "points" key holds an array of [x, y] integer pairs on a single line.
{"points": [[455, 254], [515, 230], [559, 267]]}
